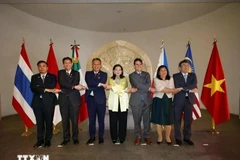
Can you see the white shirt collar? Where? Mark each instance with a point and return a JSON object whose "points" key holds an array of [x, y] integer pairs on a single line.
{"points": [[69, 71], [43, 75], [184, 73]]}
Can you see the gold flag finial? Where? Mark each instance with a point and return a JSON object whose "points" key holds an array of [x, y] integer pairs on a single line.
{"points": [[189, 41], [23, 40], [162, 41], [215, 40], [51, 42], [75, 43]]}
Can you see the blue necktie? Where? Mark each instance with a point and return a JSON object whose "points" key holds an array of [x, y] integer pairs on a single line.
{"points": [[185, 78]]}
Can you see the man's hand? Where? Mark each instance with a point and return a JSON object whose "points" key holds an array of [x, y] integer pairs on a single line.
{"points": [[48, 90], [108, 87], [131, 90], [193, 90], [153, 90], [79, 87], [57, 90]]}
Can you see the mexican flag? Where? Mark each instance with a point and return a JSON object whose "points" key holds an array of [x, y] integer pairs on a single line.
{"points": [[83, 113]]}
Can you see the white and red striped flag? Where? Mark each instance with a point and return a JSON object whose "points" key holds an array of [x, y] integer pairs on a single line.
{"points": [[22, 94], [196, 113]]}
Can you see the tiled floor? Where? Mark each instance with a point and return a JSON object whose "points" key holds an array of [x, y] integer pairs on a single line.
{"points": [[222, 146]]}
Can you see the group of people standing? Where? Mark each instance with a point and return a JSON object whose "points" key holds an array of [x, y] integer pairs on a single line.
{"points": [[161, 110]]}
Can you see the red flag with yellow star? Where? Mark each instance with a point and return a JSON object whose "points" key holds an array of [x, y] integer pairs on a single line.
{"points": [[214, 93]]}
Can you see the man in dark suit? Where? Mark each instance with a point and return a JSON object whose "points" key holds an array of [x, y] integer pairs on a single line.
{"points": [[141, 101], [96, 100], [43, 103], [69, 100], [183, 101]]}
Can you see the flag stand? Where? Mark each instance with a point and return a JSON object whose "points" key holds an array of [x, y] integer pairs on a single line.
{"points": [[80, 129], [27, 132], [213, 130], [55, 130]]}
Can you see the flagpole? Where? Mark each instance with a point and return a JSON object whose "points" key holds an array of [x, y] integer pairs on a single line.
{"points": [[55, 130], [189, 41], [213, 130], [27, 132], [163, 127], [75, 43]]}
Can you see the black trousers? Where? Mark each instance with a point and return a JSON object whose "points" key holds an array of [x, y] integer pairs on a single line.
{"points": [[44, 118], [69, 112], [184, 107], [118, 124]]}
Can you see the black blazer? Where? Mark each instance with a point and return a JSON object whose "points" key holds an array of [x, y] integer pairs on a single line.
{"points": [[66, 83], [37, 86], [92, 83], [179, 82]]}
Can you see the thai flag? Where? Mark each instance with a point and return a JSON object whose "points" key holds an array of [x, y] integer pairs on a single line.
{"points": [[22, 94]]}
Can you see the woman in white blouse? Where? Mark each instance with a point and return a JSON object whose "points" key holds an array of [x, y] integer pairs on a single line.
{"points": [[162, 108], [118, 104]]}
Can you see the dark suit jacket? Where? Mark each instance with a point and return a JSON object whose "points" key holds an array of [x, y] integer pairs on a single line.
{"points": [[179, 82], [92, 82], [142, 83], [66, 83], [37, 86]]}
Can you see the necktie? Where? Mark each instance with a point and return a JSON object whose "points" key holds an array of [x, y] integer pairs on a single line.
{"points": [[67, 74], [185, 78], [43, 78], [139, 73]]}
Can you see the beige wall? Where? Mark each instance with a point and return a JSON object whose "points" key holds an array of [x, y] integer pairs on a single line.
{"points": [[224, 23]]}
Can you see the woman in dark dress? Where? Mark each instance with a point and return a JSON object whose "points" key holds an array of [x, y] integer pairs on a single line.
{"points": [[162, 109]]}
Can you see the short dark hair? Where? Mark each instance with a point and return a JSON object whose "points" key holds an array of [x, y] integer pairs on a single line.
{"points": [[66, 58], [42, 61], [96, 59], [137, 59], [167, 76], [183, 61], [114, 75]]}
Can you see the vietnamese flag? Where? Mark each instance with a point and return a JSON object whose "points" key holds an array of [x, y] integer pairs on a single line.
{"points": [[214, 93]]}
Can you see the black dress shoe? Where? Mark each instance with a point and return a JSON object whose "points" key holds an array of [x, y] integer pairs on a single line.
{"points": [[158, 142], [75, 141], [63, 144], [189, 142], [178, 142], [38, 144], [90, 142], [47, 144], [121, 141], [101, 141], [114, 141]]}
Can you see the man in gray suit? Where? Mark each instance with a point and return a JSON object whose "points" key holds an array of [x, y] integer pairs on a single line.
{"points": [[140, 101]]}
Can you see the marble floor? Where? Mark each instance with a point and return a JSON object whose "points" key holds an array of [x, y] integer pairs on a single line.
{"points": [[207, 146]]}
